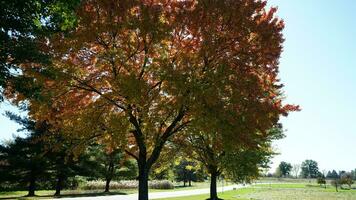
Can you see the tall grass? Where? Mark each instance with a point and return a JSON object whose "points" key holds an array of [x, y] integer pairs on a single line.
{"points": [[130, 184]]}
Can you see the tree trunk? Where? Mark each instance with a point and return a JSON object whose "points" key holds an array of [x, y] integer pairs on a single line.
{"points": [[109, 174], [59, 185], [190, 182], [213, 180], [107, 185], [143, 182], [32, 187], [184, 183]]}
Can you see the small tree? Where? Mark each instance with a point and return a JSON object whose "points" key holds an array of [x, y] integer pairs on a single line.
{"points": [[346, 178], [321, 180], [336, 184], [295, 170], [107, 163], [185, 170]]}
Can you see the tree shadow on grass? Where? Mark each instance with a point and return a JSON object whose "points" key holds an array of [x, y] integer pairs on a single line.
{"points": [[182, 186], [68, 195]]}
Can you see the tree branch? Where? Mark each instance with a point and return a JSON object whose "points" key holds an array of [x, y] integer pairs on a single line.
{"points": [[163, 139], [131, 154]]}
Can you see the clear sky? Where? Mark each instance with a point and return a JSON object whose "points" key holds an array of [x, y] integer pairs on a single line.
{"points": [[318, 68]]}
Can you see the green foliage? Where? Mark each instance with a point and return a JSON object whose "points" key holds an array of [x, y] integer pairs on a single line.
{"points": [[346, 178], [44, 159], [332, 175], [245, 165], [23, 25], [321, 180], [128, 171], [310, 169], [186, 171], [22, 163], [285, 168], [106, 164]]}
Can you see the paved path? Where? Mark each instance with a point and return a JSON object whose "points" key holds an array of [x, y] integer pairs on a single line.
{"points": [[158, 195]]}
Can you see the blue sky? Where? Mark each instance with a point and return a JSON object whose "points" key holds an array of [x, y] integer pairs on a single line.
{"points": [[318, 68]]}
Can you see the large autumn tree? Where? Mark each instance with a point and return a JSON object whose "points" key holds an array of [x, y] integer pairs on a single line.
{"points": [[152, 67]]}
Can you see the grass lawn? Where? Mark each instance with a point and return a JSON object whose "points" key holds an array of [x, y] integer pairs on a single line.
{"points": [[295, 191], [65, 193], [87, 193]]}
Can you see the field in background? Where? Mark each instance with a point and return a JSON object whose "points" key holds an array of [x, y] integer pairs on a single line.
{"points": [[283, 191]]}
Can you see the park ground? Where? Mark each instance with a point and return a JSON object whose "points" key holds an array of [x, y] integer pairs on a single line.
{"points": [[265, 189], [283, 191]]}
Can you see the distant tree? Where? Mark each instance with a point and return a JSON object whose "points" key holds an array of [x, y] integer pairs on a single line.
{"points": [[342, 172], [285, 168], [310, 169], [346, 178], [162, 171], [107, 163], [328, 175], [332, 175], [321, 180], [353, 173], [185, 171], [336, 184], [295, 170]]}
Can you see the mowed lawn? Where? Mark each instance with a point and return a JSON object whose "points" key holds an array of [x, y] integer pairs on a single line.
{"points": [[40, 194], [280, 192]]}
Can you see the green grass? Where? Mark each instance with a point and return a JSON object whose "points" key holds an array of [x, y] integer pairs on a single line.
{"points": [[65, 193], [270, 190], [198, 185], [293, 191], [85, 193]]}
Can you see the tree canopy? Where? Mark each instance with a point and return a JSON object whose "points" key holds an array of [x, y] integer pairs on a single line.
{"points": [[140, 73], [310, 169], [285, 168], [23, 23]]}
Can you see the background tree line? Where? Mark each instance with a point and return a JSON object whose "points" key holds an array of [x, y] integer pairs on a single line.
{"points": [[309, 170]]}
